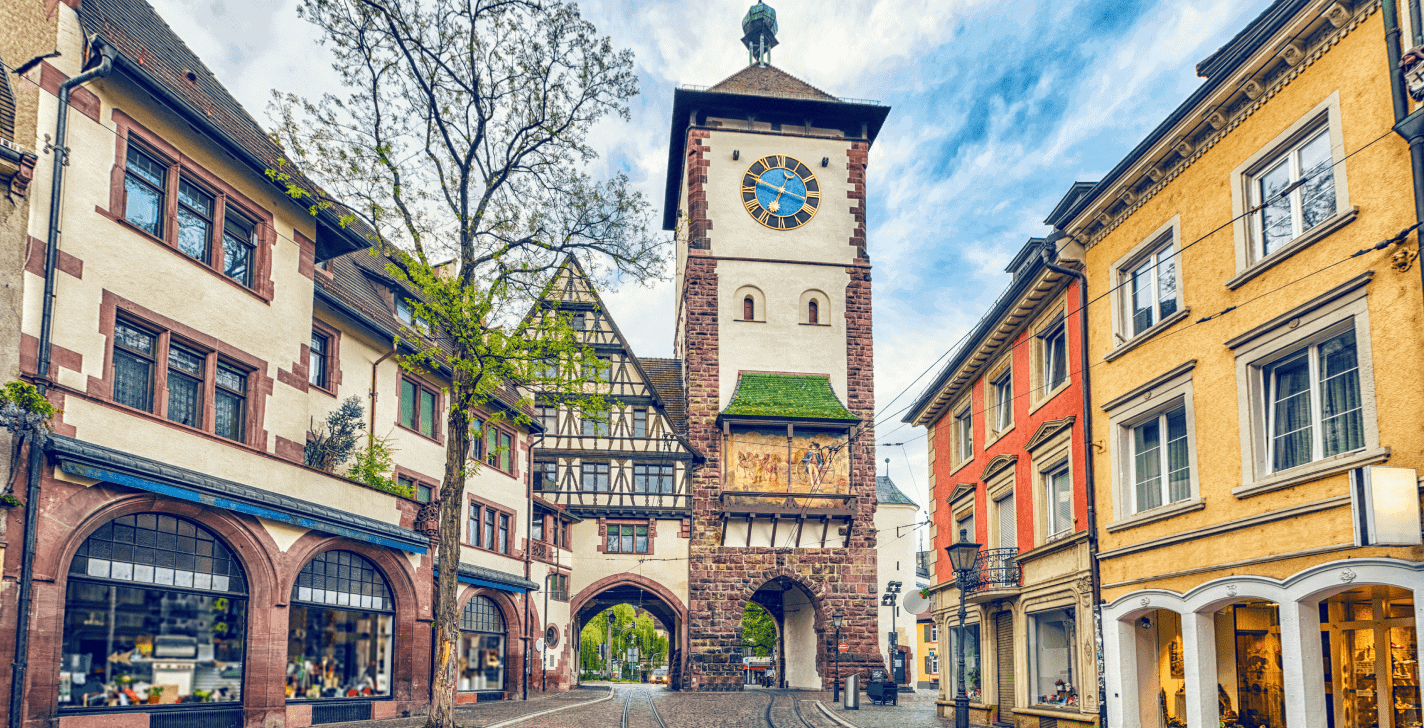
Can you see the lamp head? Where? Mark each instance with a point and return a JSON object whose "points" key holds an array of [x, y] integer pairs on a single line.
{"points": [[836, 620], [962, 554]]}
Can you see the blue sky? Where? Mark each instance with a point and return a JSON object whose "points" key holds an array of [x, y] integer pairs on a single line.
{"points": [[997, 107]]}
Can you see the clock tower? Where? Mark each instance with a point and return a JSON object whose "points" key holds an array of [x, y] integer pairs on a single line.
{"points": [[766, 195]]}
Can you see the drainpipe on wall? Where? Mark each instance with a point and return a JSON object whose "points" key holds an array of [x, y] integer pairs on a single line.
{"points": [[1409, 126], [1089, 491], [36, 454]]}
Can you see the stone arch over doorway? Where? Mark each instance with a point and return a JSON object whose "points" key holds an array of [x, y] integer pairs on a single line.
{"points": [[636, 589]]}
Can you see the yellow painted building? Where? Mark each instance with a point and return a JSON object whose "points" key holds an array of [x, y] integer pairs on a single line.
{"points": [[1255, 387]]}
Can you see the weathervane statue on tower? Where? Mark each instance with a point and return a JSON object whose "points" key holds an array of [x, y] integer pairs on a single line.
{"points": [[759, 33]]}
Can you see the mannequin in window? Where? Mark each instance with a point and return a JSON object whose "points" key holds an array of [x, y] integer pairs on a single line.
{"points": [[813, 313], [748, 309]]}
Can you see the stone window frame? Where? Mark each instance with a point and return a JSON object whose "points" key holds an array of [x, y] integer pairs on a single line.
{"points": [[1342, 308], [650, 523], [476, 541], [1248, 265], [1004, 367], [759, 309], [999, 487], [128, 130], [823, 308], [965, 409], [1048, 458], [1150, 399], [259, 385], [498, 431], [333, 357], [1168, 236], [418, 479], [421, 383], [1055, 315], [965, 506]]}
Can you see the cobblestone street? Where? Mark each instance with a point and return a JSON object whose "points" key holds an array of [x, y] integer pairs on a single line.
{"points": [[649, 706]]}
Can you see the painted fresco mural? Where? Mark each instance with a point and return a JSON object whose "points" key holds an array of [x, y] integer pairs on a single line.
{"points": [[757, 462]]}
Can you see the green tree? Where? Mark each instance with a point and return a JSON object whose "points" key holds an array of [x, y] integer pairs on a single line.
{"points": [[462, 144], [758, 630]]}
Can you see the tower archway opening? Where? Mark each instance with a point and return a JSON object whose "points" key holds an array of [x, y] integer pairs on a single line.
{"points": [[799, 642], [643, 642]]}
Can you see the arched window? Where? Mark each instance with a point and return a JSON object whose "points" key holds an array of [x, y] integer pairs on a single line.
{"points": [[148, 592], [813, 313], [482, 638], [748, 309], [339, 642]]}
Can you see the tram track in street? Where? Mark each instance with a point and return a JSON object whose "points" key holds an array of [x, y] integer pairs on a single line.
{"points": [[794, 710]]}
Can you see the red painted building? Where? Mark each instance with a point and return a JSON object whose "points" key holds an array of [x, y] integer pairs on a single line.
{"points": [[1005, 420]]}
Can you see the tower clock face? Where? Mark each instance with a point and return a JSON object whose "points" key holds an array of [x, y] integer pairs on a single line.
{"points": [[780, 192]]}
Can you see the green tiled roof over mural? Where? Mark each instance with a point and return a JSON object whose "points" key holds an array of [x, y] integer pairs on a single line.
{"points": [[762, 394]]}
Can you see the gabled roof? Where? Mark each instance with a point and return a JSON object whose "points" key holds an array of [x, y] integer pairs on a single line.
{"points": [[156, 58], [665, 376], [773, 395], [769, 81], [886, 492]]}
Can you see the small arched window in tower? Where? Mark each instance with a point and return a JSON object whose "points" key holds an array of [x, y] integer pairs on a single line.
{"points": [[813, 313], [748, 309]]}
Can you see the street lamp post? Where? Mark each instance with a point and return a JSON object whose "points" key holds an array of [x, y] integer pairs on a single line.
{"points": [[888, 600], [608, 661], [836, 620], [961, 557]]}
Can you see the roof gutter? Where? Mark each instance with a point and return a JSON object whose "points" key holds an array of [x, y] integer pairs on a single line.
{"points": [[36, 454]]}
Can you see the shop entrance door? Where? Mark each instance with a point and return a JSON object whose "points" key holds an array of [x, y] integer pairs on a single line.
{"points": [[1374, 658], [1004, 664]]}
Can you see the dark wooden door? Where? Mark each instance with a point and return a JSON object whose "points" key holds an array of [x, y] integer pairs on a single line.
{"points": [[1004, 663]]}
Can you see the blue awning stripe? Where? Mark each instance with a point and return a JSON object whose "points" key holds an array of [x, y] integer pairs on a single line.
{"points": [[195, 496]]}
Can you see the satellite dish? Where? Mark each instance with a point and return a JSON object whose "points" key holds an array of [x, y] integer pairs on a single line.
{"points": [[914, 603]]}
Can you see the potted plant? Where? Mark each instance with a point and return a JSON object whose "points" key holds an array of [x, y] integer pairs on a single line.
{"points": [[201, 696], [154, 693]]}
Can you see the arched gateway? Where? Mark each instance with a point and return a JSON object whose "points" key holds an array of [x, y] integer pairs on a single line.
{"points": [[741, 470]]}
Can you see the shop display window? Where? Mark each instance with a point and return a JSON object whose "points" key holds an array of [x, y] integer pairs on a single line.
{"points": [[973, 685], [155, 613], [1373, 658], [1051, 640], [1250, 674], [481, 646], [339, 642]]}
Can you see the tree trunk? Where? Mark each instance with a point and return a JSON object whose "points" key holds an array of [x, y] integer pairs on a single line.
{"points": [[447, 611]]}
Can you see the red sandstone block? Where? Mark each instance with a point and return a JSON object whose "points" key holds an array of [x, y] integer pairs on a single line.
{"points": [[299, 716], [106, 720], [383, 709]]}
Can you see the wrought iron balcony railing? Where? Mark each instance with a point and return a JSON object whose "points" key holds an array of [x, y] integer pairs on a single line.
{"points": [[995, 569]]}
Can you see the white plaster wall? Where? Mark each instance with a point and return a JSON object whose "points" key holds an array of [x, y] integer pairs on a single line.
{"points": [[666, 566], [895, 561], [799, 640]]}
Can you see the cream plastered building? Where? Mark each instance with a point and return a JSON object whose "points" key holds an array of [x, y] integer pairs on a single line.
{"points": [[187, 560], [1255, 416]]}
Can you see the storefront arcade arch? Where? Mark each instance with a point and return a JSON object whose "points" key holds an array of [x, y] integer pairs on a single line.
{"points": [[1334, 646]]}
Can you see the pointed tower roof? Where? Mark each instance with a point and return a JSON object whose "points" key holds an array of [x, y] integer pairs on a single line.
{"points": [[769, 81]]}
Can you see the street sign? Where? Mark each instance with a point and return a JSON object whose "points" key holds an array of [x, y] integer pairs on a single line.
{"points": [[843, 647]]}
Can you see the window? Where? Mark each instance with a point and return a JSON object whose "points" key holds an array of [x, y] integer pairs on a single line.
{"points": [[640, 422], [417, 407], [488, 532], [152, 587], [973, 686], [1315, 407], [340, 640], [1003, 392], [421, 492], [813, 313], [536, 528], [595, 424], [964, 433], [1161, 469], [481, 649], [580, 321], [503, 533], [1051, 640], [195, 220], [317, 374], [231, 402], [500, 451], [489, 528], [145, 187], [474, 534], [1055, 356], [934, 632], [627, 539], [546, 476], [558, 587], [748, 309], [1007, 535], [185, 385], [595, 477], [653, 478], [1058, 491], [1296, 190], [548, 416], [964, 525], [1150, 288], [134, 351], [561, 532]]}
